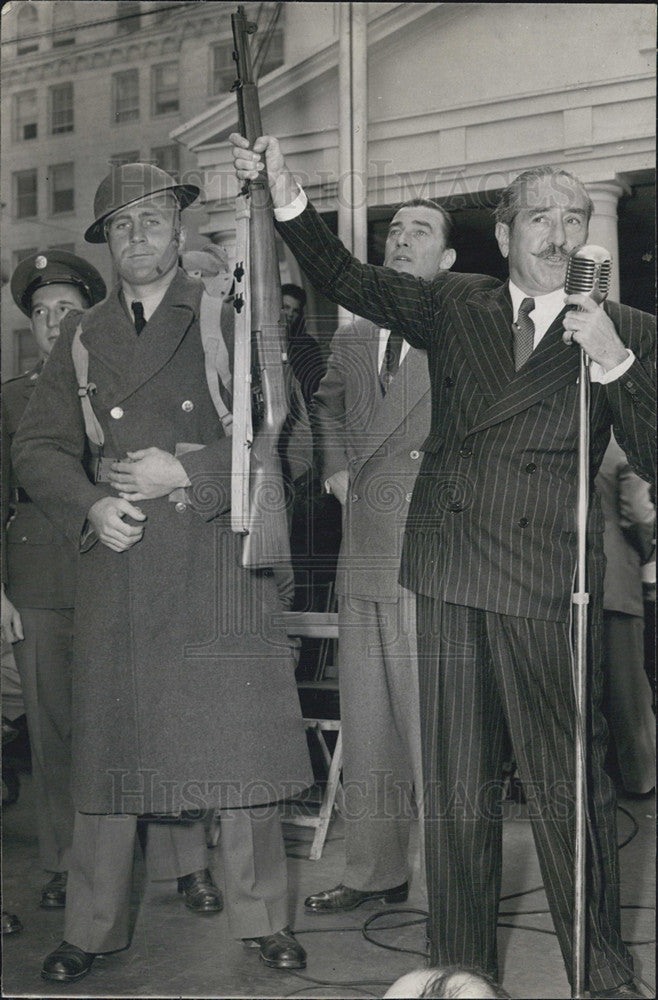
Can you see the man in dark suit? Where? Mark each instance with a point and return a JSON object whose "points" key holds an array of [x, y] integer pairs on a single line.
{"points": [[304, 352], [490, 547], [184, 692], [372, 414]]}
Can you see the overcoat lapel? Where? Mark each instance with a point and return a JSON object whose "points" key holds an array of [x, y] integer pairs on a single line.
{"points": [[410, 384], [137, 359]]}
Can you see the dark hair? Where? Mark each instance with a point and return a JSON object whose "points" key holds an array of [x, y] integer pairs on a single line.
{"points": [[440, 984], [448, 224], [517, 195], [296, 292]]}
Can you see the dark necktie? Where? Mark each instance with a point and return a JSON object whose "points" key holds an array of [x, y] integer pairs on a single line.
{"points": [[524, 333], [391, 361], [140, 319]]}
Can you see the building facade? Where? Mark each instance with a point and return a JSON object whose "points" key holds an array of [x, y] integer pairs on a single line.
{"points": [[461, 97], [86, 85]]}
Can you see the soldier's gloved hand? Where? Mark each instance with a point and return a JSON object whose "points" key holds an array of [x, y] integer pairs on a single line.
{"points": [[147, 474], [12, 626], [106, 518]]}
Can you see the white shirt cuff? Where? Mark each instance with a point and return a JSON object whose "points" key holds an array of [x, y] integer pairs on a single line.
{"points": [[292, 210], [596, 373]]}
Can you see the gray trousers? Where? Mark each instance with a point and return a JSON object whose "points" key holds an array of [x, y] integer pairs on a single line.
{"points": [[379, 705], [100, 873], [43, 659]]}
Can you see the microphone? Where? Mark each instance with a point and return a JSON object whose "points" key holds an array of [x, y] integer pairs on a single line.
{"points": [[588, 271]]}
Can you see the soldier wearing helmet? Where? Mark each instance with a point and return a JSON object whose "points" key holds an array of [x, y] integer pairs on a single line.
{"points": [[184, 679]]}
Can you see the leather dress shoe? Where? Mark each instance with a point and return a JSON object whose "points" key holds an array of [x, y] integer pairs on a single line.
{"points": [[343, 898], [200, 892], [66, 964], [626, 990], [280, 951], [53, 894]]}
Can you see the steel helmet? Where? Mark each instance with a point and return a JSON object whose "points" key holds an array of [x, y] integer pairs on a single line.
{"points": [[129, 183]]}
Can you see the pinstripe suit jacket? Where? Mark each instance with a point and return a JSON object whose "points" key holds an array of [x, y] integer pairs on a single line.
{"points": [[378, 440], [492, 523]]}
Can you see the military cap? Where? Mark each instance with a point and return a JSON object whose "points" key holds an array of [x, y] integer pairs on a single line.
{"points": [[55, 267], [129, 183]]}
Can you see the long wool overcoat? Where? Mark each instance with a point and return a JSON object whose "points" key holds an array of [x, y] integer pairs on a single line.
{"points": [[184, 690]]}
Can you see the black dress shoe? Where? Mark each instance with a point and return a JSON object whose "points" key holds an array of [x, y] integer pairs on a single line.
{"points": [[626, 990], [10, 923], [280, 951], [201, 893], [343, 898], [66, 964], [53, 894]]}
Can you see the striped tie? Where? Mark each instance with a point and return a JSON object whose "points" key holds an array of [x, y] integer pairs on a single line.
{"points": [[524, 333]]}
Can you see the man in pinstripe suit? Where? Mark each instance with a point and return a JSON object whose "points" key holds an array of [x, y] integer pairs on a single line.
{"points": [[490, 546]]}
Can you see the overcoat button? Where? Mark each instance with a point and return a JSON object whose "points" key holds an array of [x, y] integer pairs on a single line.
{"points": [[24, 538], [188, 405], [355, 497], [465, 452], [523, 522], [407, 497], [180, 507], [455, 507], [414, 454], [448, 382], [116, 413], [530, 468]]}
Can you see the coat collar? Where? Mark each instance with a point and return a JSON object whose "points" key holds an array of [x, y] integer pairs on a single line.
{"points": [[109, 335], [410, 385], [485, 333]]}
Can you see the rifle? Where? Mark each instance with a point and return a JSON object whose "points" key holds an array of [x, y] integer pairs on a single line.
{"points": [[258, 502]]}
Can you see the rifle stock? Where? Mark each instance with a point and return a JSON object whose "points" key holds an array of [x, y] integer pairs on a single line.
{"points": [[256, 458]]}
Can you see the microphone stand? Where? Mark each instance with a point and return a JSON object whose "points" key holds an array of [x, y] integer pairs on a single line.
{"points": [[580, 599]]}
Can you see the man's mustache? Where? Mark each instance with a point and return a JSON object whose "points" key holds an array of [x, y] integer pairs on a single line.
{"points": [[553, 251]]}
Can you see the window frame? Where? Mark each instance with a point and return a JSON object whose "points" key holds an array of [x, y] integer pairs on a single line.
{"points": [[52, 192], [70, 110], [155, 70], [17, 175], [133, 72], [16, 124]]}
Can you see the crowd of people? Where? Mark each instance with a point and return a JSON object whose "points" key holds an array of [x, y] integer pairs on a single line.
{"points": [[444, 431]]}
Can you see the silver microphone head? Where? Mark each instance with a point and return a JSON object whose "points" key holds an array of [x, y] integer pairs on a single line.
{"points": [[588, 271]]}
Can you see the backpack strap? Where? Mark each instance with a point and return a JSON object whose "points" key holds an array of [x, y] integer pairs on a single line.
{"points": [[86, 389], [218, 368]]}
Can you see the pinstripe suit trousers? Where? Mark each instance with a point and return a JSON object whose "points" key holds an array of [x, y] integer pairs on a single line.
{"points": [[484, 677]]}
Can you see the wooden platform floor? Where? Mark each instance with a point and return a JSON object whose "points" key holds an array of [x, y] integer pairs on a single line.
{"points": [[175, 953]]}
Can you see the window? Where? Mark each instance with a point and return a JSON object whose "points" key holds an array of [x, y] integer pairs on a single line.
{"points": [[164, 89], [222, 72], [26, 351], [120, 158], [125, 96], [61, 108], [27, 26], [63, 24], [19, 255], [25, 193], [61, 188], [25, 115], [167, 158], [128, 16], [222, 68]]}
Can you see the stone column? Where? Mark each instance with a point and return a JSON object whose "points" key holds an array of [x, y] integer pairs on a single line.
{"points": [[603, 225]]}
